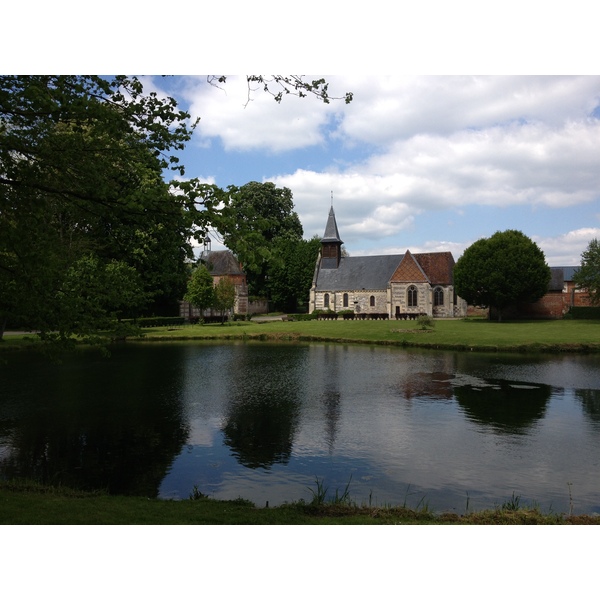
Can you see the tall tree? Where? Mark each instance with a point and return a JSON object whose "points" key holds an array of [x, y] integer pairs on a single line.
{"points": [[200, 289], [256, 217], [290, 277], [224, 296], [81, 177], [501, 271], [587, 276]]}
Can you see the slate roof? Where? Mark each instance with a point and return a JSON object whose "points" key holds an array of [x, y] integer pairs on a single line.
{"points": [[331, 230], [375, 272], [357, 272], [223, 262], [558, 277]]}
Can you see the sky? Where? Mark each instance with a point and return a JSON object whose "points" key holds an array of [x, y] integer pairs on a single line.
{"points": [[425, 163], [427, 156]]}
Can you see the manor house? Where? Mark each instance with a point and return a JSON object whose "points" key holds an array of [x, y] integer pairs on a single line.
{"points": [[395, 286]]}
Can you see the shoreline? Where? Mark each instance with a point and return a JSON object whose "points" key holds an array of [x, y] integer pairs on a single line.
{"points": [[30, 503]]}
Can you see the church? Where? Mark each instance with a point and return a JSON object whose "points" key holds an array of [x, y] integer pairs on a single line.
{"points": [[389, 286]]}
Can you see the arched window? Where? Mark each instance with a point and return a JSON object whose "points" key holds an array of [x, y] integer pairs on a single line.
{"points": [[372, 301], [326, 300], [345, 300], [411, 296], [438, 297]]}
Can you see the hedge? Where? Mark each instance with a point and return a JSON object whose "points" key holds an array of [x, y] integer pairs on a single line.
{"points": [[155, 321], [584, 312]]}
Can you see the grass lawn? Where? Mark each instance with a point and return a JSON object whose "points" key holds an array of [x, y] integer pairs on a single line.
{"points": [[476, 334], [461, 334]]}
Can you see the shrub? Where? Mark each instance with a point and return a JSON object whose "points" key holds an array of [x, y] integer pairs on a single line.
{"points": [[425, 322], [302, 317]]}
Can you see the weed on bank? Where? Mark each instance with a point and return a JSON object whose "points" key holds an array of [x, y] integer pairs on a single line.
{"points": [[26, 503]]}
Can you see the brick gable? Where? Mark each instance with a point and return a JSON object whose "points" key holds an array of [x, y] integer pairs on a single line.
{"points": [[409, 271]]}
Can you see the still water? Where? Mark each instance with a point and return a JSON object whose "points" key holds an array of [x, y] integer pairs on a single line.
{"points": [[453, 431]]}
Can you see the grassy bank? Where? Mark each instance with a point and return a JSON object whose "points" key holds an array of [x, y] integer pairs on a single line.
{"points": [[32, 504], [460, 334], [474, 334]]}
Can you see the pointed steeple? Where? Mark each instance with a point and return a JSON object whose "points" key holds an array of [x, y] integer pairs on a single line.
{"points": [[331, 244], [331, 229]]}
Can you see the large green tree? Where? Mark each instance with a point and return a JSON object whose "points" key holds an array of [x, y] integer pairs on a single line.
{"points": [[587, 277], [502, 271], [81, 179], [256, 218], [290, 277]]}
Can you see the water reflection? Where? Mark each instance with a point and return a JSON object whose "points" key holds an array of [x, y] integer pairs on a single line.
{"points": [[263, 408], [590, 402], [92, 423], [506, 407], [263, 421]]}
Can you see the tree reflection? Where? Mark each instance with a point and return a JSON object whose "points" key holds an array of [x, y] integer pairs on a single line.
{"points": [[590, 402], [262, 415], [260, 430], [507, 407], [113, 424]]}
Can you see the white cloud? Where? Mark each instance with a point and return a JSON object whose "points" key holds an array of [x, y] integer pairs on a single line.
{"points": [[408, 150], [244, 121], [566, 249], [386, 109]]}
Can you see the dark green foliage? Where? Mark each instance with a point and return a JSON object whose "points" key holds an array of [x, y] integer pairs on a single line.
{"points": [[587, 276], [224, 296], [501, 271], [291, 275], [82, 163], [88, 228], [200, 290], [157, 321], [584, 312], [256, 217]]}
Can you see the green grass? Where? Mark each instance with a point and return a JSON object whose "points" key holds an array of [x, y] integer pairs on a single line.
{"points": [[472, 334], [468, 334], [32, 504]]}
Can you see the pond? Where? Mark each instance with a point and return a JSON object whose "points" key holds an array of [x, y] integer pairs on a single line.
{"points": [[278, 422]]}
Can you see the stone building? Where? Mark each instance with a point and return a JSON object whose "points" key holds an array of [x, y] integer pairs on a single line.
{"points": [[221, 263], [392, 286]]}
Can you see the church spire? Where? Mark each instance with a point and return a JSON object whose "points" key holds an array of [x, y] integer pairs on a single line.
{"points": [[331, 229], [331, 244]]}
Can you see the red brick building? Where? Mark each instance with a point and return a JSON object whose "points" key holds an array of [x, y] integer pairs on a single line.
{"points": [[561, 296]]}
